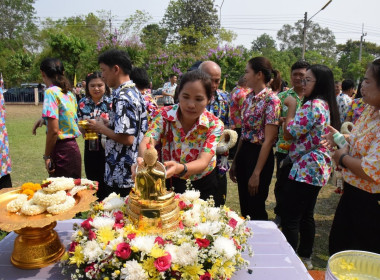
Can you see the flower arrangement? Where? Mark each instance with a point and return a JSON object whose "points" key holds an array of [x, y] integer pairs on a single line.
{"points": [[29, 189], [207, 245]]}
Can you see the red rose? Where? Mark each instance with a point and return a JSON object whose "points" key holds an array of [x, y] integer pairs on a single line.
{"points": [[118, 225], [205, 276], [232, 223], [118, 216], [89, 268], [163, 263], [131, 236], [91, 235], [76, 182], [86, 224], [180, 225], [159, 240], [72, 246], [182, 205], [202, 243], [123, 250]]}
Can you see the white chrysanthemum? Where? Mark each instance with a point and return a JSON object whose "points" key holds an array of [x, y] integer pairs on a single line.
{"points": [[100, 222], [191, 195], [92, 250], [30, 208], [111, 196], [187, 254], [225, 247], [17, 203], [48, 199], [143, 243], [208, 228], [133, 271], [59, 184], [212, 214], [190, 218], [113, 203], [234, 215], [172, 250], [56, 209]]}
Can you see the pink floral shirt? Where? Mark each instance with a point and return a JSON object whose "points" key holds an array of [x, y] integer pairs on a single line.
{"points": [[180, 147], [5, 160], [365, 144], [238, 95], [258, 111], [311, 162]]}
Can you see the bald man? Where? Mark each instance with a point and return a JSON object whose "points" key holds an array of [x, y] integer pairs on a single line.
{"points": [[219, 107]]}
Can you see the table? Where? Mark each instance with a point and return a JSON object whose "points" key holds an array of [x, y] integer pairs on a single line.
{"points": [[273, 257]]}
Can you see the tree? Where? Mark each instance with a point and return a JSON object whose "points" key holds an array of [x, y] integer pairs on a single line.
{"points": [[263, 43], [154, 37], [200, 15], [317, 38], [133, 25]]}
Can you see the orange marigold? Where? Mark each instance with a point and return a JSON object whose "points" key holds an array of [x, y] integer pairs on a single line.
{"points": [[29, 193]]}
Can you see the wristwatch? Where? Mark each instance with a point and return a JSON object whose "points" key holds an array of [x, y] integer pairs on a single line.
{"points": [[45, 157], [184, 171]]}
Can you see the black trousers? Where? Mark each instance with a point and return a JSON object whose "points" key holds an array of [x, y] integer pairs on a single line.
{"points": [[94, 164], [281, 178], [298, 215], [207, 186], [5, 181], [246, 160], [356, 224], [232, 151]]}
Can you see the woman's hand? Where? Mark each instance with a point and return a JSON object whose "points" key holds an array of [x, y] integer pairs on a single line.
{"points": [[232, 172], [328, 139], [49, 166], [253, 184], [39, 123], [172, 168], [96, 125], [336, 155], [139, 162]]}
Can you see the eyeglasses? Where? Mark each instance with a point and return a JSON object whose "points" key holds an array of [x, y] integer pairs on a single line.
{"points": [[307, 81]]}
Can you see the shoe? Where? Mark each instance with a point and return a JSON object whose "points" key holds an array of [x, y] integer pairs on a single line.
{"points": [[307, 263], [277, 221]]}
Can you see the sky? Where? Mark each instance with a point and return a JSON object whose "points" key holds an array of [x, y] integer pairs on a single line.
{"points": [[247, 18]]}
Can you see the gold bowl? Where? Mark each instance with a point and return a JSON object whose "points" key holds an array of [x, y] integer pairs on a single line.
{"points": [[353, 265], [37, 244]]}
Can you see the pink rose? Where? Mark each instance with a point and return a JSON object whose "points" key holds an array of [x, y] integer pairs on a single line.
{"points": [[89, 268], [72, 246], [182, 205], [180, 225], [123, 250], [86, 224], [118, 216], [159, 240], [232, 223], [118, 225], [202, 243], [91, 235], [131, 236], [205, 276], [163, 263]]}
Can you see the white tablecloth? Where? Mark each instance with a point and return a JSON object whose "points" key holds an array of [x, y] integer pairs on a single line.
{"points": [[273, 257]]}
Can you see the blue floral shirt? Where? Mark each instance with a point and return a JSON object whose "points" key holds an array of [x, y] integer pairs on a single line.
{"points": [[4, 144], [87, 109], [312, 162], [219, 106], [344, 102], [127, 116]]}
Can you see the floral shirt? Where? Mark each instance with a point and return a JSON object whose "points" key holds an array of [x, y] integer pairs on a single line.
{"points": [[284, 111], [344, 101], [180, 147], [365, 144], [219, 106], [150, 104], [238, 95], [258, 111], [87, 109], [127, 116], [5, 160], [169, 89], [307, 127], [356, 109], [61, 106]]}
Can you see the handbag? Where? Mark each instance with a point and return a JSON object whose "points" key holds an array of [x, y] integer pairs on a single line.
{"points": [[288, 160]]}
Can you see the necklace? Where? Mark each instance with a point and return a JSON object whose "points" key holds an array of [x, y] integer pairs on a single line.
{"points": [[361, 130]]}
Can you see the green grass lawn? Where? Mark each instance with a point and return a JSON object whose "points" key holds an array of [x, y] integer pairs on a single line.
{"points": [[26, 152]]}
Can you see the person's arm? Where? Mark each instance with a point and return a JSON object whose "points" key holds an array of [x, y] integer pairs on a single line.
{"points": [[291, 103], [51, 139], [39, 123], [194, 167], [100, 127], [271, 131]]}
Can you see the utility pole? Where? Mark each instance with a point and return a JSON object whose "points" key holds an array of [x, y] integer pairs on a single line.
{"points": [[361, 43], [110, 22], [305, 22]]}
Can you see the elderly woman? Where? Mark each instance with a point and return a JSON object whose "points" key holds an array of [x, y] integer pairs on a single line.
{"points": [[356, 224]]}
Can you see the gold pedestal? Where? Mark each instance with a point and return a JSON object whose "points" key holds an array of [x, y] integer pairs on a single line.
{"points": [[36, 247]]}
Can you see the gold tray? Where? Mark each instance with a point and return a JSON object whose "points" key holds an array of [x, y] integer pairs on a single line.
{"points": [[14, 221]]}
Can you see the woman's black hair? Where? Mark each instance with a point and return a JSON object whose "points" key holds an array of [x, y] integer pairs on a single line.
{"points": [[276, 82], [192, 76], [263, 65], [140, 77], [374, 66], [95, 75], [54, 70], [359, 91], [324, 88]]}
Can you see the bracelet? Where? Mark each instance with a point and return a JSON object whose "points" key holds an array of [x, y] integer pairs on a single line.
{"points": [[341, 160], [45, 157], [184, 171]]}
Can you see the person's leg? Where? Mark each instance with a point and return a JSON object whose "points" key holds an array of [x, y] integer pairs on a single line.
{"points": [[5, 181], [307, 223], [221, 195], [281, 177]]}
